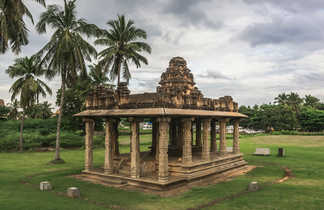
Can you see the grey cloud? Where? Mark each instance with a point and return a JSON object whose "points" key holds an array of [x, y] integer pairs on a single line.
{"points": [[211, 74], [191, 12], [298, 29], [291, 6], [309, 79]]}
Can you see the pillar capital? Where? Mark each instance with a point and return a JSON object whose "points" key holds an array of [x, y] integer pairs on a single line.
{"points": [[237, 120], [111, 120], [135, 119], [163, 119], [87, 119], [207, 120], [225, 120], [185, 119]]}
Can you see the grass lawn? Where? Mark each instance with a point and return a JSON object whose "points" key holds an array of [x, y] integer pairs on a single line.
{"points": [[305, 157]]}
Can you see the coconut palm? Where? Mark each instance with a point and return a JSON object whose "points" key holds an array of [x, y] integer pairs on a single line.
{"points": [[122, 46], [13, 30], [98, 76], [66, 52], [28, 86]]}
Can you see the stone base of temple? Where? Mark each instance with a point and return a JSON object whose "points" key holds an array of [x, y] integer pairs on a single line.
{"points": [[181, 176]]}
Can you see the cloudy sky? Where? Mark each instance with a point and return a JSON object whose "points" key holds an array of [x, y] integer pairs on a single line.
{"points": [[249, 49]]}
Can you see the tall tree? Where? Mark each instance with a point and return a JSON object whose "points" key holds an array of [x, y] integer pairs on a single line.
{"points": [[97, 76], [66, 52], [28, 86], [122, 45], [311, 101], [13, 33]]}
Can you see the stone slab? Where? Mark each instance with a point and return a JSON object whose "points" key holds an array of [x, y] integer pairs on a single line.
{"points": [[262, 151], [45, 186], [229, 149], [157, 112], [73, 192]]}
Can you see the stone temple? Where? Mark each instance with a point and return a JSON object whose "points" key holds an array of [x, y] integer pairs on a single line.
{"points": [[185, 146]]}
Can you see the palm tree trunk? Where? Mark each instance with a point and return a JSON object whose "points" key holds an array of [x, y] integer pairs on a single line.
{"points": [[21, 133], [58, 131], [118, 76]]}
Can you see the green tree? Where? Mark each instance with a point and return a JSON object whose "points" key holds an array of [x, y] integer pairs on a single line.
{"points": [[281, 99], [312, 119], [13, 33], [40, 111], [295, 101], [67, 51], [98, 76], [4, 112], [311, 101], [28, 86], [14, 113], [122, 46]]}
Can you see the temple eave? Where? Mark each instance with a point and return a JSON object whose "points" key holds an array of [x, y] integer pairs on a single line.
{"points": [[145, 112]]}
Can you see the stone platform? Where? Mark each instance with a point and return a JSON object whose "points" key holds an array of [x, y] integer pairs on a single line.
{"points": [[180, 174]]}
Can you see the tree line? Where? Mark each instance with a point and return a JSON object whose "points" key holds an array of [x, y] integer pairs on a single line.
{"points": [[66, 55], [287, 112]]}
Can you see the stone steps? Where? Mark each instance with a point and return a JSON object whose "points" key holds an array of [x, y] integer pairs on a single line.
{"points": [[103, 180]]}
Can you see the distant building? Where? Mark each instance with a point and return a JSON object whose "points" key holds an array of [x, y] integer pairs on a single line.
{"points": [[2, 103]]}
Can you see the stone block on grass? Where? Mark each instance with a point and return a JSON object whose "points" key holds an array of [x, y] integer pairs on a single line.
{"points": [[45, 186], [73, 192]]}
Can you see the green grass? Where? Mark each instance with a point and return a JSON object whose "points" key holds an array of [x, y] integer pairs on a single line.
{"points": [[305, 191]]}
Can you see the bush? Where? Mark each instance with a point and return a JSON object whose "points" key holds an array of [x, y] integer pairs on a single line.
{"points": [[40, 133], [299, 133]]}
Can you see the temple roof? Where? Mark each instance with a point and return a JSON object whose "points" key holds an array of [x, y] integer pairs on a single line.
{"points": [[176, 95]]}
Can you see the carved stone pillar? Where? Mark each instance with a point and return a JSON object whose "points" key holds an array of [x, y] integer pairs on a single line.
{"points": [[186, 132], [114, 137], [157, 148], [198, 132], [173, 132], [163, 148], [179, 136], [89, 128], [205, 145], [135, 148], [213, 143], [222, 133], [109, 165], [154, 136], [236, 136], [192, 132]]}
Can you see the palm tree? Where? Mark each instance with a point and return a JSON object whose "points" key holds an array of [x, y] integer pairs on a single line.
{"points": [[122, 46], [14, 113], [281, 99], [98, 76], [13, 31], [28, 86], [40, 111], [66, 52]]}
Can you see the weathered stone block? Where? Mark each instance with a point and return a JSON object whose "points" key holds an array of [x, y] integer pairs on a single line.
{"points": [[229, 149], [73, 192], [262, 151], [253, 186], [45, 185]]}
